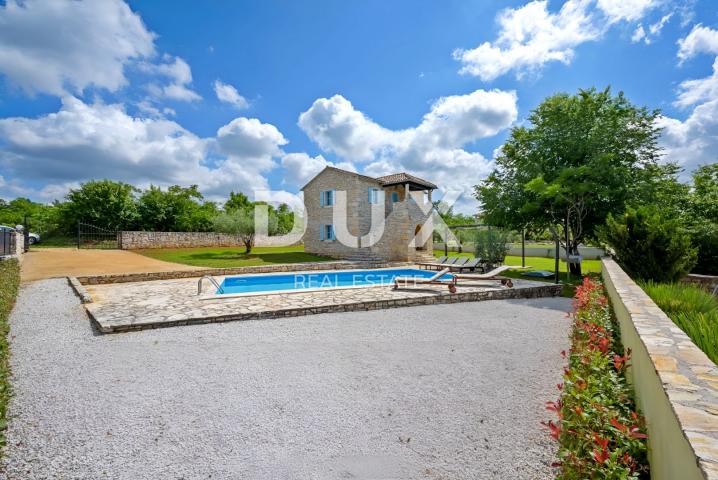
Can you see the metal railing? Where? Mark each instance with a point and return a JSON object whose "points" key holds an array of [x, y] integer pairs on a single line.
{"points": [[211, 280], [92, 236]]}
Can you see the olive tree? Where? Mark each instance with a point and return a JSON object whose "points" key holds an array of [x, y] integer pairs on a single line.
{"points": [[241, 222]]}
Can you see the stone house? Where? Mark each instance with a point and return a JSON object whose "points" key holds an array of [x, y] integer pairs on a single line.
{"points": [[362, 218]]}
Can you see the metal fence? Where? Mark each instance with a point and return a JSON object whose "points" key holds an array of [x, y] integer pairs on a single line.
{"points": [[8, 242], [91, 236]]}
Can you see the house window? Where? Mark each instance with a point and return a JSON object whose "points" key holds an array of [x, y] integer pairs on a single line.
{"points": [[373, 195], [327, 198], [326, 232], [394, 196]]}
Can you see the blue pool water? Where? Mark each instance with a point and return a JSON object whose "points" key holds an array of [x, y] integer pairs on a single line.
{"points": [[299, 281]]}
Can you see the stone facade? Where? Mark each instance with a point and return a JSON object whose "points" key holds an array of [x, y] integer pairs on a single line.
{"points": [[405, 212], [675, 383], [137, 240]]}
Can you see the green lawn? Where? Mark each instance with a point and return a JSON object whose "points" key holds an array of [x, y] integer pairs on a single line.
{"points": [[588, 267], [225, 257], [61, 242]]}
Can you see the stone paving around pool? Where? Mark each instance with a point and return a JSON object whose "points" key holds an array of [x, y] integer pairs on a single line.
{"points": [[164, 303]]}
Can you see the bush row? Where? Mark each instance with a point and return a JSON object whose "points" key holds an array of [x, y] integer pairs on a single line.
{"points": [[600, 434]]}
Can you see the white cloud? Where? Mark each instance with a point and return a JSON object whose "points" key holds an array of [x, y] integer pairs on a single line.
{"points": [[10, 189], [694, 91], [638, 34], [85, 141], [179, 74], [694, 141], [654, 30], [453, 121], [700, 40], [529, 37], [228, 94], [339, 128], [626, 10], [59, 47], [433, 149], [300, 167], [251, 142]]}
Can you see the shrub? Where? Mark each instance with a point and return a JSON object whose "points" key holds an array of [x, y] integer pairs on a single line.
{"points": [[599, 432], [705, 239], [491, 246], [693, 310], [9, 283], [649, 246]]}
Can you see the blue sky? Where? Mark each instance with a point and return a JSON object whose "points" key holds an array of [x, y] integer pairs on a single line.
{"points": [[262, 95]]}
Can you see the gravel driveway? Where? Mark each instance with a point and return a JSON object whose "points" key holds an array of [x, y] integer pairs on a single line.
{"points": [[437, 392]]}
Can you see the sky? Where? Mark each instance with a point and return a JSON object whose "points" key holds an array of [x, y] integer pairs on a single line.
{"points": [[260, 96]]}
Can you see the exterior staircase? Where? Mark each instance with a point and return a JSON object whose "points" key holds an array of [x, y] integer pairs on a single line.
{"points": [[426, 257], [364, 255]]}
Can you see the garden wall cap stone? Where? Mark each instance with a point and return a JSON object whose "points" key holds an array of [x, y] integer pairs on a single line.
{"points": [[689, 378]]}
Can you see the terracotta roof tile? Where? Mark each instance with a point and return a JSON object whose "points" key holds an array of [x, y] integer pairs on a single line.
{"points": [[404, 177]]}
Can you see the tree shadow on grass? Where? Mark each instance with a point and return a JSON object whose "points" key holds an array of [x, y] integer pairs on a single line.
{"points": [[288, 257]]}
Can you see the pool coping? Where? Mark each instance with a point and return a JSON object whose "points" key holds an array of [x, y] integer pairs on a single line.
{"points": [[221, 296], [431, 298], [274, 268]]}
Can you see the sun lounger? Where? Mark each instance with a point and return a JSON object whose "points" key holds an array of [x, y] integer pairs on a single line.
{"points": [[435, 280], [492, 275], [472, 265], [439, 264], [460, 261]]}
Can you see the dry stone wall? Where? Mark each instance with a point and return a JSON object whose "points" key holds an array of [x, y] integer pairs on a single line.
{"points": [[137, 240]]}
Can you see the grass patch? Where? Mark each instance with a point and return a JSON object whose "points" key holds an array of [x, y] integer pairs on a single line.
{"points": [[9, 282], [693, 310], [588, 267], [52, 242], [226, 257]]}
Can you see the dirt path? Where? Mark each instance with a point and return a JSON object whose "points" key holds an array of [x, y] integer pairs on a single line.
{"points": [[41, 263]]}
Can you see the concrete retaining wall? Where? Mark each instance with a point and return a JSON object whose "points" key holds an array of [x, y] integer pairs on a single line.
{"points": [[676, 384], [137, 240], [707, 282]]}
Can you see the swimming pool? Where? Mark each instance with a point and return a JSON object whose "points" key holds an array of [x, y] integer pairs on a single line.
{"points": [[306, 281]]}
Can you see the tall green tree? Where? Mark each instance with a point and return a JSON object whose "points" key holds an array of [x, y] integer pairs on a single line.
{"points": [[103, 203], [703, 218], [177, 209], [43, 218], [237, 201], [581, 157], [285, 219]]}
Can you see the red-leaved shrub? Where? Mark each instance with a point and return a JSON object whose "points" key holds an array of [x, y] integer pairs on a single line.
{"points": [[599, 432]]}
